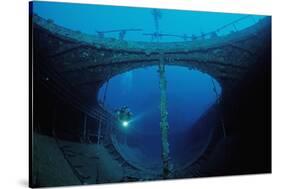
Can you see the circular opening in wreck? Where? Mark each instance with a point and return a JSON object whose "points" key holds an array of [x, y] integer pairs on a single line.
{"points": [[191, 94]]}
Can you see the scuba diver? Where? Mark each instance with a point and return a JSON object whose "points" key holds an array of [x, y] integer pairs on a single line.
{"points": [[124, 115]]}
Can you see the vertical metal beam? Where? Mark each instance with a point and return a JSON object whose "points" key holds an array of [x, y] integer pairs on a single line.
{"points": [[156, 15], [164, 126]]}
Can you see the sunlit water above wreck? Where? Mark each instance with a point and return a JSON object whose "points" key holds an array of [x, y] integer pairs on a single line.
{"points": [[91, 19], [190, 93]]}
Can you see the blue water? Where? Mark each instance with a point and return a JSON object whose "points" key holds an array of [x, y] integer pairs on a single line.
{"points": [[91, 18], [190, 92]]}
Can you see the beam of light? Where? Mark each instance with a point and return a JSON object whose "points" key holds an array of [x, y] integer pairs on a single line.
{"points": [[125, 123]]}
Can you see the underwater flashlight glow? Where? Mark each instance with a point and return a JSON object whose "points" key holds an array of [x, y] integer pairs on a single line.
{"points": [[125, 123]]}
